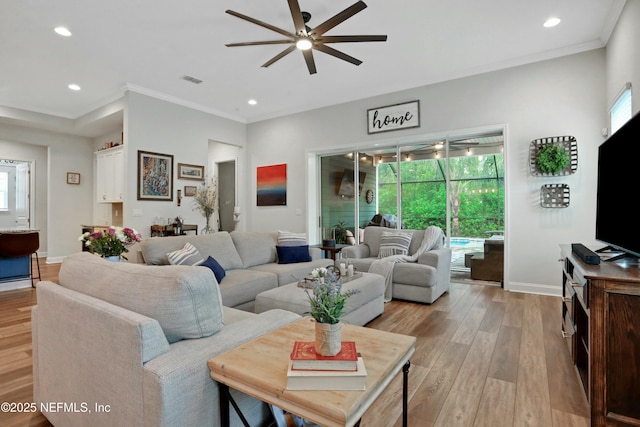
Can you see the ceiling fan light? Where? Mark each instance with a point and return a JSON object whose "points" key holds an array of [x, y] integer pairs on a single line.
{"points": [[304, 43]]}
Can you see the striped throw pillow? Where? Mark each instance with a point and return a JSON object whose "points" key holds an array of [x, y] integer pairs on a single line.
{"points": [[188, 255], [394, 243], [287, 238]]}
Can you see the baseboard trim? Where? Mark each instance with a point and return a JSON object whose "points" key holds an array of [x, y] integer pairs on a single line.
{"points": [[534, 288], [55, 260]]}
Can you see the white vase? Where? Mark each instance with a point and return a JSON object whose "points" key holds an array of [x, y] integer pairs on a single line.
{"points": [[328, 338], [114, 258]]}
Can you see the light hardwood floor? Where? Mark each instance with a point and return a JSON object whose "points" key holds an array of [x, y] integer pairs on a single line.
{"points": [[484, 357]]}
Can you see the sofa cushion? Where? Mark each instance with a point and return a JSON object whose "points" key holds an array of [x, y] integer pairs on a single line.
{"points": [[287, 238], [183, 299], [241, 286], [218, 245], [255, 248], [394, 243], [188, 255], [293, 254], [217, 269]]}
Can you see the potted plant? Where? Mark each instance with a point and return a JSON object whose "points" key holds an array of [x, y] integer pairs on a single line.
{"points": [[552, 159], [327, 305], [112, 243], [341, 232]]}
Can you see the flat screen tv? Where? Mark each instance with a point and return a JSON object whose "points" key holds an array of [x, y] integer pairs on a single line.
{"points": [[346, 187], [617, 222]]}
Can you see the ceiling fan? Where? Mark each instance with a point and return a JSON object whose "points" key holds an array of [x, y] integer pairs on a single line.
{"points": [[307, 39]]}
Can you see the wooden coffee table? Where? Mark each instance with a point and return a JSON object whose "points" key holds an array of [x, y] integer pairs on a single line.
{"points": [[259, 369]]}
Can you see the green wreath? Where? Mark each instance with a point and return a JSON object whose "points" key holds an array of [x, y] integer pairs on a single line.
{"points": [[552, 159]]}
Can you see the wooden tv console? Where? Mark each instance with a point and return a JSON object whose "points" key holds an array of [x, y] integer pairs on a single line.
{"points": [[601, 322]]}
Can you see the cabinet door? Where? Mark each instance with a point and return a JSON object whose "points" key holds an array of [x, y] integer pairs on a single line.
{"points": [[622, 367], [103, 176], [118, 178]]}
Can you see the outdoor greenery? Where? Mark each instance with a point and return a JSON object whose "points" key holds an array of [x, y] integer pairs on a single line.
{"points": [[477, 194]]}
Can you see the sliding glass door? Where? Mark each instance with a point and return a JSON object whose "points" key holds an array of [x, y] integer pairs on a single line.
{"points": [[455, 183]]}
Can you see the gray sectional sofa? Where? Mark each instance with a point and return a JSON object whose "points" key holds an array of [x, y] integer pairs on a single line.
{"points": [[249, 259], [133, 340], [422, 281]]}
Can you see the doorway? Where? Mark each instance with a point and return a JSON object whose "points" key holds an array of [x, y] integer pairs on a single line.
{"points": [[15, 194], [227, 194]]}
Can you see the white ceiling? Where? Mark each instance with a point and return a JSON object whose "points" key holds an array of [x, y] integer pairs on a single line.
{"points": [[148, 46]]}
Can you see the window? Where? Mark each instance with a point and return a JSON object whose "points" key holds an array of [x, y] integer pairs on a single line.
{"points": [[4, 191], [621, 111]]}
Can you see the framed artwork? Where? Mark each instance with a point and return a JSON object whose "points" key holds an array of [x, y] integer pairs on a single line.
{"points": [[393, 117], [271, 185], [194, 172], [155, 176], [190, 190], [73, 178]]}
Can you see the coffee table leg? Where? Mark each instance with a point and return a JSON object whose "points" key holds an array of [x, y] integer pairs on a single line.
{"points": [[405, 392]]}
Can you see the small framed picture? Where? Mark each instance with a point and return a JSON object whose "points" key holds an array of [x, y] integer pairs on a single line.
{"points": [[73, 178], [190, 190], [194, 172]]}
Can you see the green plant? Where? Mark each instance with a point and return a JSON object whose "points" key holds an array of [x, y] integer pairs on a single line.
{"points": [[341, 232], [326, 298], [552, 159]]}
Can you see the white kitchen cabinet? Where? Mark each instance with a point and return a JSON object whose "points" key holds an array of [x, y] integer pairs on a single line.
{"points": [[109, 175]]}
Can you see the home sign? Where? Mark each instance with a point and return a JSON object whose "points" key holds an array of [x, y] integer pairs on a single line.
{"points": [[393, 117]]}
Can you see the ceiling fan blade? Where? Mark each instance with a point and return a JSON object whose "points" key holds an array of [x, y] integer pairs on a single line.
{"points": [[280, 55], [260, 23], [338, 18], [296, 14], [333, 52], [308, 57], [259, 43], [350, 39]]}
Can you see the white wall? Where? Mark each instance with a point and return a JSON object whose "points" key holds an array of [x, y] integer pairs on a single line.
{"points": [[623, 55], [59, 215], [162, 127], [556, 97]]}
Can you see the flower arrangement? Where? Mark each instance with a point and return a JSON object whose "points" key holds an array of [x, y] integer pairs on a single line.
{"points": [[327, 299], [111, 242], [206, 200]]}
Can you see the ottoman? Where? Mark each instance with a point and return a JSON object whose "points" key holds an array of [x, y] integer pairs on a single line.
{"points": [[361, 308]]}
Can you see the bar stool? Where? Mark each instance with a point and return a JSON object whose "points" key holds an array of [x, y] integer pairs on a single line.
{"points": [[17, 245]]}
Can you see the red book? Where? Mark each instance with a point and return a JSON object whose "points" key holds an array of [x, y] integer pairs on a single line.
{"points": [[304, 356]]}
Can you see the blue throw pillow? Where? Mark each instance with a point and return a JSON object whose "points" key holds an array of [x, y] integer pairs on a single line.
{"points": [[217, 269], [293, 254]]}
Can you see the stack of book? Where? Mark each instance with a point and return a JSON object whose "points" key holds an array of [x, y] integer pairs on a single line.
{"points": [[310, 371]]}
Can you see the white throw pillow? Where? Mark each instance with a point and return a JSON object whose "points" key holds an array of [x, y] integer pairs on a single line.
{"points": [[394, 243], [188, 255], [287, 238]]}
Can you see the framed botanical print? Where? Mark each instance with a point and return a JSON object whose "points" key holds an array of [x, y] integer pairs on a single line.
{"points": [[155, 176], [194, 172], [73, 178]]}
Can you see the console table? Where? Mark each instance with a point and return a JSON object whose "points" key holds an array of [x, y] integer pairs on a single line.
{"points": [[259, 369], [601, 322], [169, 230]]}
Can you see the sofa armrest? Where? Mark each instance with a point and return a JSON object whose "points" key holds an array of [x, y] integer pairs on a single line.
{"points": [[356, 251], [437, 258], [87, 350]]}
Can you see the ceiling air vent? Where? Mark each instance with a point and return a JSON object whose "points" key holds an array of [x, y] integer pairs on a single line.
{"points": [[192, 79]]}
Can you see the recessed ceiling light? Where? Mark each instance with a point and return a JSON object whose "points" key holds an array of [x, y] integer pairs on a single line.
{"points": [[74, 86], [63, 31], [552, 22], [252, 102]]}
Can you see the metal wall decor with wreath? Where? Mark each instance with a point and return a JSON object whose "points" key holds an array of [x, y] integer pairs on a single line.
{"points": [[567, 143]]}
